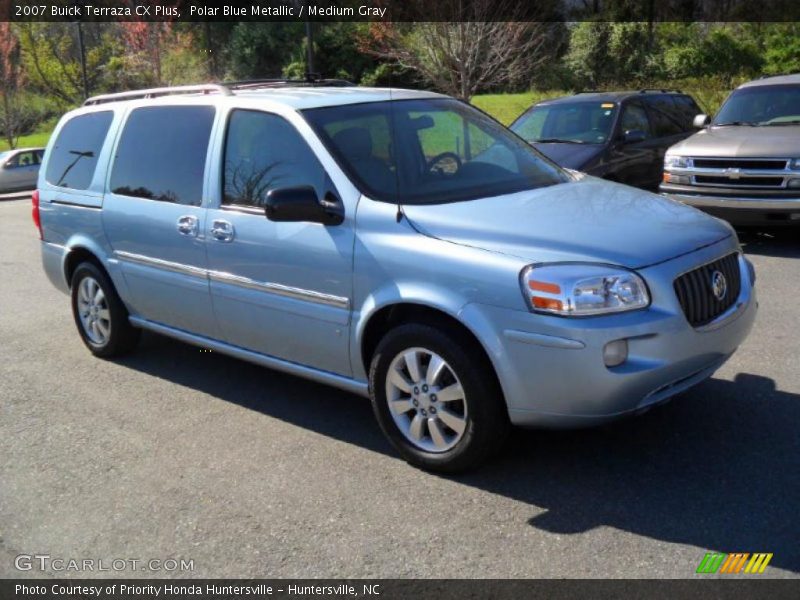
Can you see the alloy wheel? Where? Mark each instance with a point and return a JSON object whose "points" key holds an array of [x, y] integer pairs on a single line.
{"points": [[426, 400]]}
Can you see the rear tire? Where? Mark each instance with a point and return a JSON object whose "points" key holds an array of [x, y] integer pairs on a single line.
{"points": [[99, 313], [437, 399]]}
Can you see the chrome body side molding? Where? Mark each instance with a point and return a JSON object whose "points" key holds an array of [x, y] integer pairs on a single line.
{"points": [[229, 278]]}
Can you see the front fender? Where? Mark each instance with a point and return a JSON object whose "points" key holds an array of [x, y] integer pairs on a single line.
{"points": [[394, 293]]}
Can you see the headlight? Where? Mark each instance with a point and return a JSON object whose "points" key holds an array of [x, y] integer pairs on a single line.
{"points": [[577, 290], [680, 162], [794, 163]]}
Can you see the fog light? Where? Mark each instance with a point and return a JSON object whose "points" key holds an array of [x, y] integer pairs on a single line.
{"points": [[615, 353], [793, 183]]}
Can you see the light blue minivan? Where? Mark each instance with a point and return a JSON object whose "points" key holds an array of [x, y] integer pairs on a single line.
{"points": [[398, 244]]}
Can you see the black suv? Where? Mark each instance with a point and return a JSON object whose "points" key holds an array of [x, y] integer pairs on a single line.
{"points": [[620, 136]]}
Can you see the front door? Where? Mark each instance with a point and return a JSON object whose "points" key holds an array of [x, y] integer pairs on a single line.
{"points": [[278, 288], [153, 215], [634, 159]]}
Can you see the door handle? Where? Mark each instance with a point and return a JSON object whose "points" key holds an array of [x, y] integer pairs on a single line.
{"points": [[187, 225], [222, 231]]}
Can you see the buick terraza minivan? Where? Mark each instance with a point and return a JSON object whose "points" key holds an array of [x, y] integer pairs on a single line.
{"points": [[397, 244]]}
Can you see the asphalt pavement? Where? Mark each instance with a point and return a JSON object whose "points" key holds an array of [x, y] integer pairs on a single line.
{"points": [[175, 453]]}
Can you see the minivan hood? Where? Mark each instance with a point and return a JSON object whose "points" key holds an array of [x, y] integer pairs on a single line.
{"points": [[586, 220], [742, 141], [572, 156]]}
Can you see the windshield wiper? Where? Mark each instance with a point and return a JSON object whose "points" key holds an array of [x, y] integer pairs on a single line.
{"points": [[748, 123], [557, 141]]}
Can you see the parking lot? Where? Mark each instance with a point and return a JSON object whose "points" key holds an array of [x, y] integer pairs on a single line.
{"points": [[176, 453]]}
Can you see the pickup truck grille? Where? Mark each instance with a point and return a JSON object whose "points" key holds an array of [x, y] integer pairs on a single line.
{"points": [[696, 294], [740, 181], [778, 164]]}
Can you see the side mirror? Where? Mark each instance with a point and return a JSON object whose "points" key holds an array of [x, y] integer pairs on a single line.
{"points": [[701, 121], [301, 204], [634, 135]]}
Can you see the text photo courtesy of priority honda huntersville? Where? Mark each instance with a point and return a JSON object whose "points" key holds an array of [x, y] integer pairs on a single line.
{"points": [[397, 244]]}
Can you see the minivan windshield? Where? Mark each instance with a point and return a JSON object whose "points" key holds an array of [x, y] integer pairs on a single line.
{"points": [[574, 122], [761, 105], [429, 151]]}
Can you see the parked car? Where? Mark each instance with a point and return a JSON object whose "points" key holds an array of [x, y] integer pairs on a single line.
{"points": [[398, 244], [19, 169], [744, 165], [621, 136]]}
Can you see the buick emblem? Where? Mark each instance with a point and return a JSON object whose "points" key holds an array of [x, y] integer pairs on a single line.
{"points": [[733, 174], [719, 285]]}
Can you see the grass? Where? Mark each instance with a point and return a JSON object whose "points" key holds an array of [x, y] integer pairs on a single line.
{"points": [[507, 107], [35, 140]]}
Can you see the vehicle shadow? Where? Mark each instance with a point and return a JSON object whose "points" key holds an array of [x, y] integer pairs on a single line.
{"points": [[779, 242], [717, 468]]}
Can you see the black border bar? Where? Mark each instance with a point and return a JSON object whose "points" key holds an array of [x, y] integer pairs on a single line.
{"points": [[734, 588], [401, 10]]}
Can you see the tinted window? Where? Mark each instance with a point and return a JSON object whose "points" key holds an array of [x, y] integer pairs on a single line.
{"points": [[688, 110], [762, 105], [264, 152], [664, 116], [429, 151], [73, 158], [586, 122], [635, 118], [23, 159], [162, 154]]}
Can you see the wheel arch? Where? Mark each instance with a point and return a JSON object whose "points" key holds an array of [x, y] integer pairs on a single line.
{"points": [[77, 255], [383, 319]]}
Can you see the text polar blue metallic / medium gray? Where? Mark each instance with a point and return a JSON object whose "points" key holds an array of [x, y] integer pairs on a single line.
{"points": [[566, 282]]}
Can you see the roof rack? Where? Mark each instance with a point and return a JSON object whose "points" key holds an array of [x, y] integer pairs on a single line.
{"points": [[659, 90], [226, 89], [162, 91], [589, 92], [312, 80]]}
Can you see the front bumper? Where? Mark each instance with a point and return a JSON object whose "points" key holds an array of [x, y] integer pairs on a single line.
{"points": [[766, 209], [552, 370]]}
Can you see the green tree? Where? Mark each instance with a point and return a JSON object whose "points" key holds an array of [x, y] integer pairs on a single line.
{"points": [[258, 50], [51, 58], [782, 48], [719, 51], [588, 56]]}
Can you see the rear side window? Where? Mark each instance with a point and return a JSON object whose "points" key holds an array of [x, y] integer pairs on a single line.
{"points": [[162, 154], [73, 157], [264, 152], [688, 110], [665, 116]]}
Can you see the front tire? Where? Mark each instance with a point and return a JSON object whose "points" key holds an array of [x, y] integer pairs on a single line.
{"points": [[437, 399], [99, 313]]}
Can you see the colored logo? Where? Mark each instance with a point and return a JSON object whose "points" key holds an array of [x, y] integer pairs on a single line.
{"points": [[719, 285], [737, 562]]}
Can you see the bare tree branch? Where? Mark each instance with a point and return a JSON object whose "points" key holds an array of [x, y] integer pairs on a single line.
{"points": [[464, 57]]}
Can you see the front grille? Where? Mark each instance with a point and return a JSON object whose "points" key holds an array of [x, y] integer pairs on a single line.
{"points": [[694, 290], [778, 164], [729, 182]]}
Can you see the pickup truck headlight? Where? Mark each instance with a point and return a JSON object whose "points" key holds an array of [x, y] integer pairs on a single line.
{"points": [[578, 290], [680, 162], [794, 163]]}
